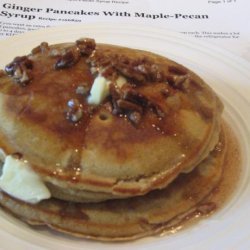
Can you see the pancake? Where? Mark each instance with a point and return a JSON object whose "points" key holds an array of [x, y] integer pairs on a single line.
{"points": [[157, 120], [131, 218]]}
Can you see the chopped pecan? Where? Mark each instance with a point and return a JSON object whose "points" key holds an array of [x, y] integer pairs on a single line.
{"points": [[43, 47], [170, 80], [75, 111], [21, 75], [195, 84], [137, 98], [67, 59], [135, 117], [141, 70], [130, 102], [73, 104], [11, 67], [157, 110], [116, 110], [180, 82], [86, 45], [126, 105], [115, 95], [180, 79], [110, 73], [114, 92], [108, 106], [134, 96], [177, 70], [20, 69]]}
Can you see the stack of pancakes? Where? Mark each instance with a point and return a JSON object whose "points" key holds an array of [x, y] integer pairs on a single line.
{"points": [[110, 166]]}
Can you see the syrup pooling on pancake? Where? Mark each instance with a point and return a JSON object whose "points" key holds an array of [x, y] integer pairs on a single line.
{"points": [[154, 119]]}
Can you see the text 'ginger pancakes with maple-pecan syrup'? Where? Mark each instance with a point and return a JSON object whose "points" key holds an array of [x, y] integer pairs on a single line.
{"points": [[107, 142]]}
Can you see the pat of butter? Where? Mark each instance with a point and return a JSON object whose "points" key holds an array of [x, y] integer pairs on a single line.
{"points": [[99, 90], [20, 181]]}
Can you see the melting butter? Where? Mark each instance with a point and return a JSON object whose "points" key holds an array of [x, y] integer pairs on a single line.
{"points": [[100, 89], [20, 181]]}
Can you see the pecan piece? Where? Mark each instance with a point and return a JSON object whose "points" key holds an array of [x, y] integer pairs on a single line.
{"points": [[115, 95], [74, 112], [133, 96], [67, 59], [86, 45], [141, 70], [43, 47], [114, 92], [177, 70], [126, 105], [20, 69], [21, 75], [157, 110], [179, 81], [134, 117]]}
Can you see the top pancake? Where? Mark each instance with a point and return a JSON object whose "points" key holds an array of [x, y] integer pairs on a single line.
{"points": [[114, 150]]}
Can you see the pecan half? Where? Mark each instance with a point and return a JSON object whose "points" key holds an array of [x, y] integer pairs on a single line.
{"points": [[141, 70], [131, 103], [134, 96], [129, 106], [20, 69], [180, 82], [86, 45], [67, 59]]}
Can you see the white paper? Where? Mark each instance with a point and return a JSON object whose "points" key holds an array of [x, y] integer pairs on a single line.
{"points": [[223, 22]]}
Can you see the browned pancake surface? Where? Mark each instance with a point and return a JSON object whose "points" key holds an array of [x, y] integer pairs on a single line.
{"points": [[134, 217], [103, 152]]}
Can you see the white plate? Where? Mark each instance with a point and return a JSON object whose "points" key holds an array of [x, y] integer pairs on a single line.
{"points": [[226, 73]]}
